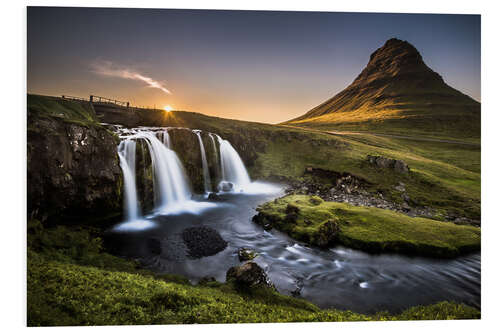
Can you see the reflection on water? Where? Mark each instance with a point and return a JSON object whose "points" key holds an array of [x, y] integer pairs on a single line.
{"points": [[341, 278]]}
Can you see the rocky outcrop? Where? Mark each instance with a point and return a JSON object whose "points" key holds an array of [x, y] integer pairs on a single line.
{"points": [[203, 241], [389, 163], [73, 169], [248, 275], [245, 254]]}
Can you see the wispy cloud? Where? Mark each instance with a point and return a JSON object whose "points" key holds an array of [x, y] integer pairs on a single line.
{"points": [[107, 68]]}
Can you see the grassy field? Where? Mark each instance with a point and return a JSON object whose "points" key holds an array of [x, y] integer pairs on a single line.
{"points": [[71, 281], [371, 229], [68, 111]]}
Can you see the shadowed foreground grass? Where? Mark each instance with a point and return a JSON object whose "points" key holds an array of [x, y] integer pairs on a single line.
{"points": [[367, 228], [71, 281]]}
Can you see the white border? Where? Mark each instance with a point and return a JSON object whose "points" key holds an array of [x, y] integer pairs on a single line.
{"points": [[13, 131]]}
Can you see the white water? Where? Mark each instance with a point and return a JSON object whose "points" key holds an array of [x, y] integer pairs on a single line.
{"points": [[126, 153], [215, 147], [233, 169], [170, 184], [206, 174], [166, 139]]}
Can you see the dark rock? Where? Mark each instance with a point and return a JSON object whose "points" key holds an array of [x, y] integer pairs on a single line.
{"points": [[73, 170], [154, 245], [327, 233], [292, 209], [263, 221], [248, 275], [245, 254], [203, 241], [388, 163], [215, 197], [207, 280]]}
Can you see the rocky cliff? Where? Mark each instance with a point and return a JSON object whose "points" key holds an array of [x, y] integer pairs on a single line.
{"points": [[73, 170]]}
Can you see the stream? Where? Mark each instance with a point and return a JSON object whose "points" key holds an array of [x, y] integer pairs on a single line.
{"points": [[338, 278]]}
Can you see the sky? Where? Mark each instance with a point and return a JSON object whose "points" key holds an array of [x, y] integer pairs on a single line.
{"points": [[264, 66]]}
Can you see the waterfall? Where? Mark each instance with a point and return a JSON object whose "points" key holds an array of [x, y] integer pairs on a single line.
{"points": [[166, 139], [206, 174], [215, 153], [172, 193], [233, 169], [170, 183], [126, 153]]}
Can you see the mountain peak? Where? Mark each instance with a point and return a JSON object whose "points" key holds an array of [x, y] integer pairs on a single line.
{"points": [[397, 86], [394, 59]]}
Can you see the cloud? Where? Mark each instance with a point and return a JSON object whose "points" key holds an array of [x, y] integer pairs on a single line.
{"points": [[107, 68]]}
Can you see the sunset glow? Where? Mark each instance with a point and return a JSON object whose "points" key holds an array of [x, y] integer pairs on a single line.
{"points": [[167, 108]]}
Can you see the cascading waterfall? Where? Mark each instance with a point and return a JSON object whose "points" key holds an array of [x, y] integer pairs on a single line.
{"points": [[172, 193], [215, 147], [170, 183], [206, 174], [126, 153], [233, 169], [166, 139]]}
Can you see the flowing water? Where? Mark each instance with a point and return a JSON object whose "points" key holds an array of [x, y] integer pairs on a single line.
{"points": [[206, 174], [338, 277], [233, 169]]}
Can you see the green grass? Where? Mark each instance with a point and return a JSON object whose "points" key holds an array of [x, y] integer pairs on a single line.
{"points": [[66, 110], [370, 229], [71, 281]]}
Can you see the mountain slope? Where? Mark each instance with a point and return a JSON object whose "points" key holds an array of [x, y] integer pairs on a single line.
{"points": [[397, 93]]}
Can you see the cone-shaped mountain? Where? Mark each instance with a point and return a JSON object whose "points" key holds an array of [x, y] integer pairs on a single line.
{"points": [[396, 93]]}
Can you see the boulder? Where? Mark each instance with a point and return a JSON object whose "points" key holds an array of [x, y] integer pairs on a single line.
{"points": [[388, 163], [203, 241], [327, 233], [226, 186], [248, 275], [245, 254]]}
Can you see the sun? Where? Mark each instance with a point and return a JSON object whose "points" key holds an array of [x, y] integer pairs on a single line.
{"points": [[167, 108]]}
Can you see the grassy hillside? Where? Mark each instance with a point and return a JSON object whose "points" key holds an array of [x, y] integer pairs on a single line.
{"points": [[72, 282], [311, 219]]}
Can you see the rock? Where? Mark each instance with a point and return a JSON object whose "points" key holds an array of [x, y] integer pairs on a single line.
{"points": [[154, 245], [215, 197], [292, 209], [226, 186], [245, 254], [203, 241], [401, 166], [206, 280], [327, 233], [248, 275], [73, 169], [389, 163]]}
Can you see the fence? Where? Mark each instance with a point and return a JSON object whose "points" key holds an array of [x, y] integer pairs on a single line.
{"points": [[99, 100]]}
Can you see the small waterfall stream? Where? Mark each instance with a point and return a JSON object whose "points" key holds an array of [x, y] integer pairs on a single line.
{"points": [[206, 174], [126, 153], [233, 169]]}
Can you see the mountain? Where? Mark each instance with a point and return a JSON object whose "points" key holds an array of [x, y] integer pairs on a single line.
{"points": [[397, 93]]}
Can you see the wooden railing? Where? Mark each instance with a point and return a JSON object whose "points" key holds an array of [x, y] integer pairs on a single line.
{"points": [[99, 100]]}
